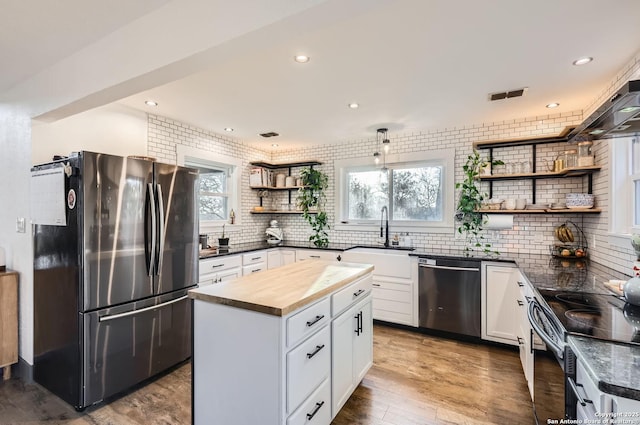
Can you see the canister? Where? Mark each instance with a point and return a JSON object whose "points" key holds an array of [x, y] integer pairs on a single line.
{"points": [[280, 180], [571, 158], [585, 154]]}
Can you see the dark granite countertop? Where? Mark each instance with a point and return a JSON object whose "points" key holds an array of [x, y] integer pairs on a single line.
{"points": [[615, 367], [256, 246]]}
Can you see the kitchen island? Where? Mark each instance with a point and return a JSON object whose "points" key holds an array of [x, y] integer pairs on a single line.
{"points": [[284, 346]]}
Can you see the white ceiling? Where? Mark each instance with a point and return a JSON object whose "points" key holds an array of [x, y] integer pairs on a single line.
{"points": [[410, 64]]}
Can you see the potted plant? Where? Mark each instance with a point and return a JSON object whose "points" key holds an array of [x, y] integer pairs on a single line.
{"points": [[311, 199], [471, 220], [223, 242]]}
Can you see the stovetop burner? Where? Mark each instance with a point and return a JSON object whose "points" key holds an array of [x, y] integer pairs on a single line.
{"points": [[600, 316]]}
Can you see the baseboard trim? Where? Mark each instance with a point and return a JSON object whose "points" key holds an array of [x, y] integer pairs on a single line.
{"points": [[23, 370]]}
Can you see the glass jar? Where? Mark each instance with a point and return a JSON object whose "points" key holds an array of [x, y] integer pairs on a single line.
{"points": [[570, 158], [585, 154]]}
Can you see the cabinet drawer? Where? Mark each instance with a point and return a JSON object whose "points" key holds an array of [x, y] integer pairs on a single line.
{"points": [[316, 254], [254, 257], [307, 366], [380, 293], [253, 268], [307, 321], [392, 306], [316, 409], [347, 296], [212, 265], [391, 316]]}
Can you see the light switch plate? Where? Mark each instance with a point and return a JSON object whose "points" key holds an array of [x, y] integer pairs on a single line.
{"points": [[21, 226]]}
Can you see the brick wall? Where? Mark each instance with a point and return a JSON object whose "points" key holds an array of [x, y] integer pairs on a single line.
{"points": [[532, 233]]}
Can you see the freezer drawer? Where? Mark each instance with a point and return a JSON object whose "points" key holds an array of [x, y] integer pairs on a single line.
{"points": [[127, 344]]}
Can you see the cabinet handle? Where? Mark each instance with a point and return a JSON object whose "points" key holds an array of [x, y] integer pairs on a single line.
{"points": [[316, 351], [339, 258], [358, 318], [357, 294], [574, 387], [315, 410], [520, 303], [255, 258], [375, 284], [531, 340], [215, 266], [520, 284], [314, 256], [255, 270], [316, 320], [520, 341]]}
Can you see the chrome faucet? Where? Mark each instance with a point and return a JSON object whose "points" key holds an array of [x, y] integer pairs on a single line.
{"points": [[384, 216]]}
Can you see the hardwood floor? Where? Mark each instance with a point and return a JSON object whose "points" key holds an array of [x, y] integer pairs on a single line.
{"points": [[415, 379]]}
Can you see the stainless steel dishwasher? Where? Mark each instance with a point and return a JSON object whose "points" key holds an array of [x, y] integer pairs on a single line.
{"points": [[449, 295]]}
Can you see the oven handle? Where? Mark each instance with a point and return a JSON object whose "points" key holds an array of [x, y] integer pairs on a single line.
{"points": [[464, 269], [574, 387], [558, 350]]}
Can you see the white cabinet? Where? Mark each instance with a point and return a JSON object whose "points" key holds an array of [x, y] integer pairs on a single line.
{"points": [[280, 257], [317, 254], [258, 368], [253, 262], [394, 283], [288, 256], [501, 318], [219, 269], [352, 349]]}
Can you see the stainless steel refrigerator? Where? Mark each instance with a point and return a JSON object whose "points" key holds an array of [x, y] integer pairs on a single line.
{"points": [[110, 285]]}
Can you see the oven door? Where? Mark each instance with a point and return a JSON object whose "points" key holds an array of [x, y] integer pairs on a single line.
{"points": [[548, 367]]}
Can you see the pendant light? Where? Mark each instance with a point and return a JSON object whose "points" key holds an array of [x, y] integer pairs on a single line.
{"points": [[381, 138]]}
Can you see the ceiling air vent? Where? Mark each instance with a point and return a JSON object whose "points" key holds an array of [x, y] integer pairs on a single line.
{"points": [[269, 134], [508, 94]]}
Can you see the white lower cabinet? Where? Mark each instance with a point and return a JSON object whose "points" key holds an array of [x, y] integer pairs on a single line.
{"points": [[500, 304], [394, 283], [281, 370], [352, 338], [219, 269]]}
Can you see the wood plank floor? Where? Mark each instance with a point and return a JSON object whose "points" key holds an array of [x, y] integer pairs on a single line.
{"points": [[415, 379]]}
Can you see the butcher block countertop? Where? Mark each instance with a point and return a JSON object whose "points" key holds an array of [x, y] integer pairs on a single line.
{"points": [[284, 289]]}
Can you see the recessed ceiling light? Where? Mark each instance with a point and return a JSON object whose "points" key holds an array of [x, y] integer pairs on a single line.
{"points": [[301, 58], [354, 105], [228, 129], [274, 145], [553, 105], [151, 103], [582, 61]]}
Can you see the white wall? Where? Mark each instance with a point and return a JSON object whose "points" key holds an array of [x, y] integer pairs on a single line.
{"points": [[14, 202], [114, 129]]}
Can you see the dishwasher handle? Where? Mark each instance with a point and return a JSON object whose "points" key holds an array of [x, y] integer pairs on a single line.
{"points": [[463, 269]]}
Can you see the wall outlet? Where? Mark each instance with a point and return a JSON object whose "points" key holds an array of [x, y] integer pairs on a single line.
{"points": [[21, 226], [538, 238]]}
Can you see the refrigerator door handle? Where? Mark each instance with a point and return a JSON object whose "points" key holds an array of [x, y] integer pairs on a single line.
{"points": [[160, 228], [151, 248], [142, 310]]}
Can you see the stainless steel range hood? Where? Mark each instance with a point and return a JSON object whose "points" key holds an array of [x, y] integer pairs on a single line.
{"points": [[618, 117]]}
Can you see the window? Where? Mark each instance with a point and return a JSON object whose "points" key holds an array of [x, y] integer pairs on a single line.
{"points": [[416, 188], [213, 191], [219, 183], [625, 179]]}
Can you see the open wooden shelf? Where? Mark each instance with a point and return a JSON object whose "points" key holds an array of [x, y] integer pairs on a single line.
{"points": [[563, 136], [545, 211], [278, 212], [567, 172], [272, 166], [276, 188]]}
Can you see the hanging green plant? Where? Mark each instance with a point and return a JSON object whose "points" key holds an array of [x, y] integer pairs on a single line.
{"points": [[312, 199], [471, 220]]}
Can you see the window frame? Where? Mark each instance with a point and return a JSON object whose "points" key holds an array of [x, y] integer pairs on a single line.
{"points": [[187, 155], [439, 157], [622, 182]]}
